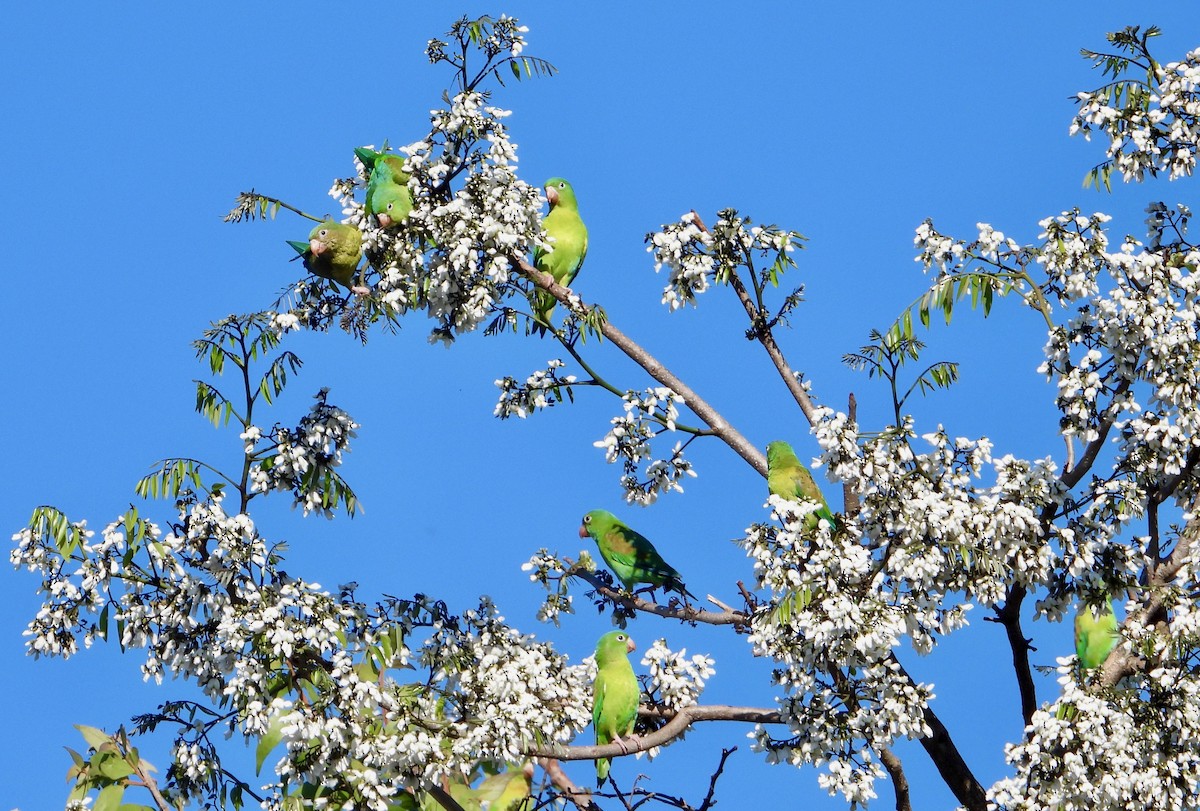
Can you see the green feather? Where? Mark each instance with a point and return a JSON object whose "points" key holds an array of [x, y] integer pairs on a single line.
{"points": [[1095, 634], [615, 694], [569, 240], [788, 477]]}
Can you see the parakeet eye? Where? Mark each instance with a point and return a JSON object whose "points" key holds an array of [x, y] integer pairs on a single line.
{"points": [[621, 637], [389, 206], [324, 232], [587, 519], [562, 184]]}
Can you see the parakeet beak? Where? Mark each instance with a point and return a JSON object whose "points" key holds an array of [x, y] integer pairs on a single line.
{"points": [[583, 531], [629, 646], [552, 196], [317, 246], [385, 221]]}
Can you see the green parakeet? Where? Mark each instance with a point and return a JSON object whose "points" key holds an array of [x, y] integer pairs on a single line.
{"points": [[570, 240], [332, 251], [1095, 634], [388, 195], [615, 694], [788, 477], [509, 790], [630, 554]]}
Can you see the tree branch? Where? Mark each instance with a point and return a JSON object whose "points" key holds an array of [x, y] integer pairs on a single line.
{"points": [[582, 798], [1010, 617], [765, 337], [1120, 662], [685, 614], [946, 757], [679, 721], [711, 417], [899, 782]]}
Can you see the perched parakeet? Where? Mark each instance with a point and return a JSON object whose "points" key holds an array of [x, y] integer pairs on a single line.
{"points": [[787, 477], [630, 554], [1095, 634], [509, 790], [615, 694], [388, 195], [332, 251], [570, 242]]}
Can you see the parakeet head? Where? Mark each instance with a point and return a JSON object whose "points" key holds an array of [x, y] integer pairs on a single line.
{"points": [[614, 644], [390, 204], [326, 236], [595, 523], [780, 453], [559, 193]]}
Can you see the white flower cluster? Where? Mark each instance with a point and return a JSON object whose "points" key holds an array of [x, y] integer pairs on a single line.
{"points": [[541, 389], [304, 457], [550, 571], [949, 255], [506, 691], [676, 681], [929, 531], [683, 248], [647, 414], [70, 595], [698, 257], [207, 604], [1151, 126], [494, 216], [1134, 746], [471, 215]]}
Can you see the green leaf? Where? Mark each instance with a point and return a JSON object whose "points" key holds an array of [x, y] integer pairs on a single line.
{"points": [[115, 767], [109, 798], [95, 737], [269, 740]]}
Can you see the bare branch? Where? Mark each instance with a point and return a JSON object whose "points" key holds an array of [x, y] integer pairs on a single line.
{"points": [[685, 614], [582, 798], [444, 799], [949, 762], [766, 337], [711, 417], [679, 721], [141, 768], [850, 502], [708, 801], [899, 782], [1010, 617]]}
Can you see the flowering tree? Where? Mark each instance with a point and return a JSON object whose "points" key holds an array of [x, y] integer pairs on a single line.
{"points": [[393, 703]]}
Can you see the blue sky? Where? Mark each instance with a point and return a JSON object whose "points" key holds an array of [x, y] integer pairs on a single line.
{"points": [[132, 129]]}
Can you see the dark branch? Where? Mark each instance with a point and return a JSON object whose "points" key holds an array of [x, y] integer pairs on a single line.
{"points": [[899, 782], [1010, 617], [949, 762]]}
